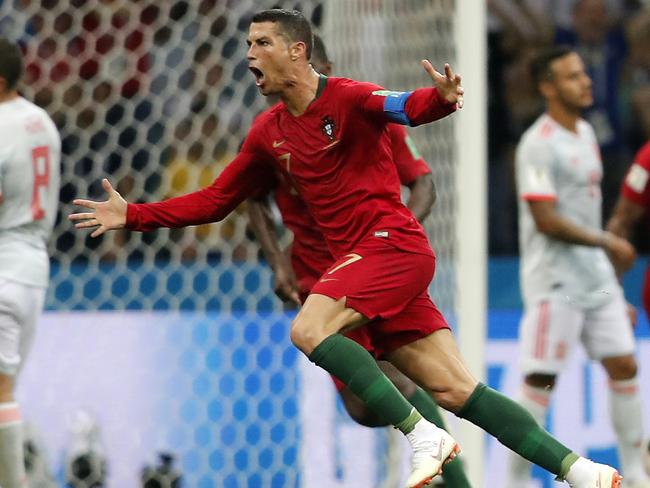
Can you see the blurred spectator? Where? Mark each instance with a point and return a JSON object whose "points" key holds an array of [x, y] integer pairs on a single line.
{"points": [[637, 78], [597, 34], [599, 39]]}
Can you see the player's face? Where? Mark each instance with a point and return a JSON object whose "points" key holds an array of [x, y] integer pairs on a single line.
{"points": [[571, 83], [269, 57]]}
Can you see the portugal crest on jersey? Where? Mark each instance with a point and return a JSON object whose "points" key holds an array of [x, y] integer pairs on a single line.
{"points": [[328, 127]]}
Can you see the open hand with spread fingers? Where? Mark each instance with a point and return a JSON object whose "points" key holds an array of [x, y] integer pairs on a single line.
{"points": [[107, 215], [448, 85]]}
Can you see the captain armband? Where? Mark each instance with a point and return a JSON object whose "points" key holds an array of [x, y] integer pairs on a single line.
{"points": [[394, 104]]}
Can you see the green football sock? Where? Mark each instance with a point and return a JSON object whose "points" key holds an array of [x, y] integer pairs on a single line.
{"points": [[352, 364], [515, 428], [453, 473]]}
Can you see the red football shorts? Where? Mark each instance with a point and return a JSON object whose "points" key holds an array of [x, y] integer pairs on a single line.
{"points": [[419, 319], [377, 279], [379, 337], [389, 287]]}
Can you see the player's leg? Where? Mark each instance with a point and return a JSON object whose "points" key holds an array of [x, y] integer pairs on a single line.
{"points": [[357, 288], [364, 415], [435, 363], [609, 338], [534, 395], [548, 332], [314, 331], [453, 474], [626, 415], [356, 408], [17, 306], [12, 469]]}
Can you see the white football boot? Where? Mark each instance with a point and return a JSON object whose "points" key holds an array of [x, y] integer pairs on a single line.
{"points": [[432, 449]]}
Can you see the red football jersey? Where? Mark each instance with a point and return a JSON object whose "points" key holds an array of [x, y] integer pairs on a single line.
{"points": [[310, 256], [337, 154]]}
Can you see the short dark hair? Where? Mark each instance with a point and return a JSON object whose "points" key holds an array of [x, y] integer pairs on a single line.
{"points": [[540, 67], [11, 62], [293, 25], [319, 53]]}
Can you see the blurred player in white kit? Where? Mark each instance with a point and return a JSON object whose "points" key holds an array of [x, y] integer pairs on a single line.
{"points": [[30, 157], [570, 290]]}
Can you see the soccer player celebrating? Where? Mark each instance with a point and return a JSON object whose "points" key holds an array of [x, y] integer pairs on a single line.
{"points": [[569, 286], [310, 258], [632, 205], [329, 136], [30, 155]]}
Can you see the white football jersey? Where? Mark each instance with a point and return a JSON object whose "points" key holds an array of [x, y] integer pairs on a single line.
{"points": [[553, 163], [30, 161]]}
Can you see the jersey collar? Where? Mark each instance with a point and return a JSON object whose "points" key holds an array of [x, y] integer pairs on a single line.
{"points": [[322, 83]]}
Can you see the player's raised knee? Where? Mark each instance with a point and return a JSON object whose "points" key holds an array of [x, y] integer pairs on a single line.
{"points": [[306, 334]]}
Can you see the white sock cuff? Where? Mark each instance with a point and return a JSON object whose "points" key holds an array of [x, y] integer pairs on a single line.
{"points": [[540, 396], [625, 387], [9, 414]]}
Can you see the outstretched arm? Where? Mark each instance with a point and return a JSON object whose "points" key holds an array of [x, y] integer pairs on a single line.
{"points": [[286, 284], [417, 107], [237, 181]]}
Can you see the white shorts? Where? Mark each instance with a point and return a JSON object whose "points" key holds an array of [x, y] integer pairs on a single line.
{"points": [[20, 307], [550, 330]]}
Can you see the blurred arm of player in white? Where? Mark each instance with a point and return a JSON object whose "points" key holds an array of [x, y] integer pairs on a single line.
{"points": [[548, 221]]}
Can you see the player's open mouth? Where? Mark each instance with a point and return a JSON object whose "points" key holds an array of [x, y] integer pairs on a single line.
{"points": [[259, 76]]}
